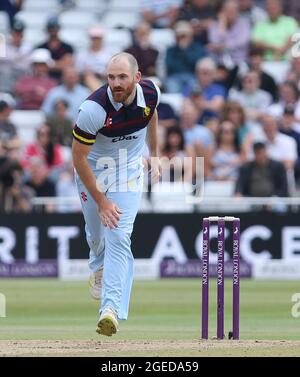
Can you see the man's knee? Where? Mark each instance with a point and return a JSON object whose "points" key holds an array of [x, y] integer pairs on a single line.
{"points": [[96, 244]]}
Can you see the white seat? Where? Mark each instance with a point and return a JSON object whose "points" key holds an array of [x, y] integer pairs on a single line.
{"points": [[278, 70], [46, 6], [2, 47], [77, 19], [133, 5], [161, 39], [75, 37], [27, 122], [219, 188], [91, 5], [175, 100], [126, 19], [33, 37], [171, 197], [36, 19], [4, 23], [118, 39]]}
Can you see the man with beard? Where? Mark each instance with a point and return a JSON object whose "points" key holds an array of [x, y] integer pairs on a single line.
{"points": [[108, 145]]}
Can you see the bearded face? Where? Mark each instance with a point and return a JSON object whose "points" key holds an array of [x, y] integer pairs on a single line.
{"points": [[122, 89], [121, 80]]}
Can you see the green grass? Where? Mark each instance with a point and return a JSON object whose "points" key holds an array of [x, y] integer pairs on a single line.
{"points": [[162, 310]]}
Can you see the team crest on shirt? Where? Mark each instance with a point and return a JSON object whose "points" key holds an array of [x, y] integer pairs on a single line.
{"points": [[146, 111]]}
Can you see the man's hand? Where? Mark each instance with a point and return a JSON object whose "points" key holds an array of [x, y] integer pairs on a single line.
{"points": [[155, 169], [109, 213]]}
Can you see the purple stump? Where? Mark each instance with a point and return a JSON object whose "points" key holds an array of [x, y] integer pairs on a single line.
{"points": [[236, 279], [205, 278], [220, 279]]}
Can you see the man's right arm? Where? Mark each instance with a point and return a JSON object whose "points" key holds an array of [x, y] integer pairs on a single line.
{"points": [[88, 124], [83, 169], [109, 213]]}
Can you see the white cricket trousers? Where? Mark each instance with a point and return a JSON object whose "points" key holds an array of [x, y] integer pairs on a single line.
{"points": [[110, 248]]}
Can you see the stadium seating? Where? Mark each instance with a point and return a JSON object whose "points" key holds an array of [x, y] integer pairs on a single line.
{"points": [[34, 19], [162, 38], [77, 19], [33, 37], [170, 197], [174, 100], [118, 5], [36, 5], [118, 39], [91, 5], [4, 23], [77, 38], [119, 19], [27, 121]]}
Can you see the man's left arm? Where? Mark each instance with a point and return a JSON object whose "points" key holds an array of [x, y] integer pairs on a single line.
{"points": [[153, 146]]}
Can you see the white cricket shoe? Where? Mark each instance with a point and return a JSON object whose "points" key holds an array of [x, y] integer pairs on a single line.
{"points": [[108, 322], [95, 283]]}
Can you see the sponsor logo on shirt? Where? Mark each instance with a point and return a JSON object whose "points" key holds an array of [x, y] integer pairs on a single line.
{"points": [[121, 138], [83, 196]]}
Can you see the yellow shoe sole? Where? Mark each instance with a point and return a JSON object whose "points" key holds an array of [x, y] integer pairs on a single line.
{"points": [[106, 327]]}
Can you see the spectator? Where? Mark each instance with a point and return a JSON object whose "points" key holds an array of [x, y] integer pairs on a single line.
{"points": [[31, 90], [262, 177], [252, 12], [166, 115], [92, 63], [229, 36], [294, 72], [11, 8], [70, 91], [254, 100], [181, 59], [16, 61], [279, 147], [273, 35], [142, 50], [200, 14], [206, 94], [287, 127], [14, 196], [166, 112], [289, 117], [174, 149], [45, 150], [61, 52], [198, 138], [226, 159], [292, 8], [235, 113], [9, 139], [38, 179], [61, 125], [267, 82], [160, 13], [288, 96], [226, 76]]}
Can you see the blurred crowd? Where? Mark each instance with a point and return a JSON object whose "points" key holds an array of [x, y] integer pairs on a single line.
{"points": [[219, 99]]}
